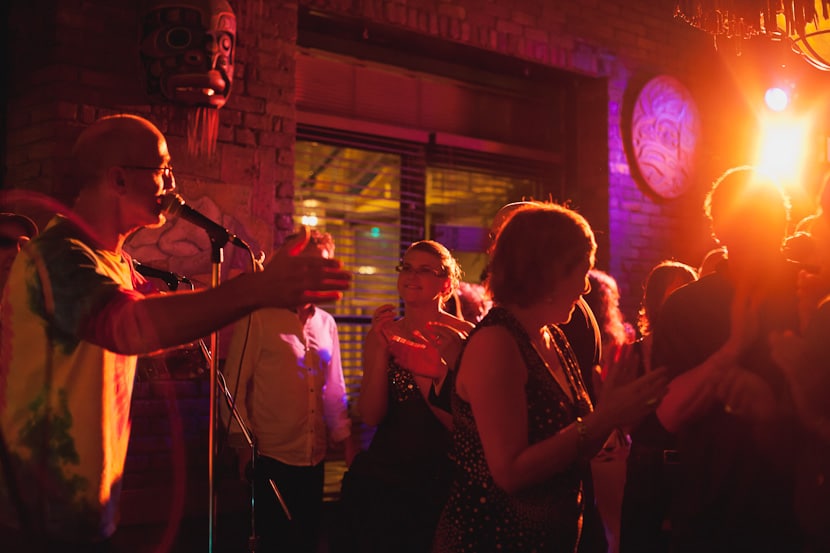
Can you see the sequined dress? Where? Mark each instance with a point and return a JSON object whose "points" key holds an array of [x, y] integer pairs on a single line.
{"points": [[396, 488], [480, 516]]}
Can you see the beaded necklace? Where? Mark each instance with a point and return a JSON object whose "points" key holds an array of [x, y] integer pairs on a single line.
{"points": [[573, 377]]}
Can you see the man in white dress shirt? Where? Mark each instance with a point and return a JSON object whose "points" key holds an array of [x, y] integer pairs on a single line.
{"points": [[284, 369]]}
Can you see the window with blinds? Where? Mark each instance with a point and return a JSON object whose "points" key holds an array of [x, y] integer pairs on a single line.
{"points": [[360, 189], [377, 195]]}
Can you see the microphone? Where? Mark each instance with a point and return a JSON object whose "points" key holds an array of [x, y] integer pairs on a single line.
{"points": [[173, 204], [171, 279]]}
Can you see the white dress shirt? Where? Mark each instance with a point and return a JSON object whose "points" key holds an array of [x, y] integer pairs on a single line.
{"points": [[288, 383]]}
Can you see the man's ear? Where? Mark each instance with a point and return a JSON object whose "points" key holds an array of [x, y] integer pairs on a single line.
{"points": [[115, 176], [22, 241]]}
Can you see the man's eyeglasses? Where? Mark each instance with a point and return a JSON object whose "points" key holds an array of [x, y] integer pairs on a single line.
{"points": [[166, 173], [423, 270]]}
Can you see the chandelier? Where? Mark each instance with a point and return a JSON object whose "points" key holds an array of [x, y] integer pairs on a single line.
{"points": [[804, 23]]}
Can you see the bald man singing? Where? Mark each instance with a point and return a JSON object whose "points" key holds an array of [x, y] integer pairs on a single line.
{"points": [[73, 325]]}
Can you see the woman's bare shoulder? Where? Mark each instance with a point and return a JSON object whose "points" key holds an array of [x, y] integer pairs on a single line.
{"points": [[492, 342], [491, 358]]}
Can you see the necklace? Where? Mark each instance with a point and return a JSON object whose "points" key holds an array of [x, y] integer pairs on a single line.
{"points": [[573, 383]]}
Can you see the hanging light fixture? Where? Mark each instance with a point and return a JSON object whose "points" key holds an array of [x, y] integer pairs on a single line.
{"points": [[811, 36], [805, 23]]}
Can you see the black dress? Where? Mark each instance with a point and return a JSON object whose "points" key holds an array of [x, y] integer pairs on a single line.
{"points": [[480, 516], [393, 492]]}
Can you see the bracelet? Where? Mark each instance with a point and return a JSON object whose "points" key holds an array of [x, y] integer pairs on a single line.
{"points": [[582, 441]]}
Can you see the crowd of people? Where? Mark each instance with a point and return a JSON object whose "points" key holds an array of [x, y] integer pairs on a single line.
{"points": [[519, 414]]}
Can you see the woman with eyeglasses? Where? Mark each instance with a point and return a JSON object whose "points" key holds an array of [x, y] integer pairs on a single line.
{"points": [[396, 489]]}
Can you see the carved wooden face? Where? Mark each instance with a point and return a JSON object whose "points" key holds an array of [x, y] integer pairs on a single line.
{"points": [[665, 133], [187, 48]]}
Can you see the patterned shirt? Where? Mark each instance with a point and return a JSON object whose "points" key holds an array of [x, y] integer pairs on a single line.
{"points": [[64, 401]]}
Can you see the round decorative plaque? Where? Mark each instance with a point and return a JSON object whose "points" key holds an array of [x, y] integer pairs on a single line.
{"points": [[665, 129]]}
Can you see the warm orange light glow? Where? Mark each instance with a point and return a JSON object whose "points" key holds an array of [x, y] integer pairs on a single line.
{"points": [[782, 147]]}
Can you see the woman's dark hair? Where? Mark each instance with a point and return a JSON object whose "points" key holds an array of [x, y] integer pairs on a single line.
{"points": [[655, 290], [538, 245]]}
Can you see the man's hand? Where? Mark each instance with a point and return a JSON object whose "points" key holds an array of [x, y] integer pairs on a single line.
{"points": [[294, 279], [625, 405]]}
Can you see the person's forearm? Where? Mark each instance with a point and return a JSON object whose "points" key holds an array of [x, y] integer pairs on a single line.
{"points": [[206, 310], [543, 460], [162, 321]]}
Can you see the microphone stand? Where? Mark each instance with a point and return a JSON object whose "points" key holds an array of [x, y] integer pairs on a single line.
{"points": [[249, 438], [217, 242], [219, 236]]}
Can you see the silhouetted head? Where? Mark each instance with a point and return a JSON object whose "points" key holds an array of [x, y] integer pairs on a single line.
{"points": [[535, 249]]}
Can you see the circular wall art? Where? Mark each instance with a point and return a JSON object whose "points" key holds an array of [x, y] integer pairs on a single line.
{"points": [[665, 130]]}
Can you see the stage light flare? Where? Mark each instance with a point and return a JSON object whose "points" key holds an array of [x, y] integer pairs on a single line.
{"points": [[776, 98], [782, 148]]}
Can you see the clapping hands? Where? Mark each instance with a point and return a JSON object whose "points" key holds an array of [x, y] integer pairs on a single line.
{"points": [[428, 354]]}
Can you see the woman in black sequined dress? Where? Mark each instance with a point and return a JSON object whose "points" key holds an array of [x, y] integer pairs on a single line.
{"points": [[394, 492], [524, 428]]}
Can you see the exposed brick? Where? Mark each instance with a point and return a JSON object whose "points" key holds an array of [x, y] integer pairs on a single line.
{"points": [[247, 104], [499, 10], [523, 19], [455, 29], [433, 24], [443, 25], [453, 11], [539, 35], [412, 18], [423, 22], [284, 155], [244, 136], [225, 133], [265, 138], [509, 27], [466, 31]]}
